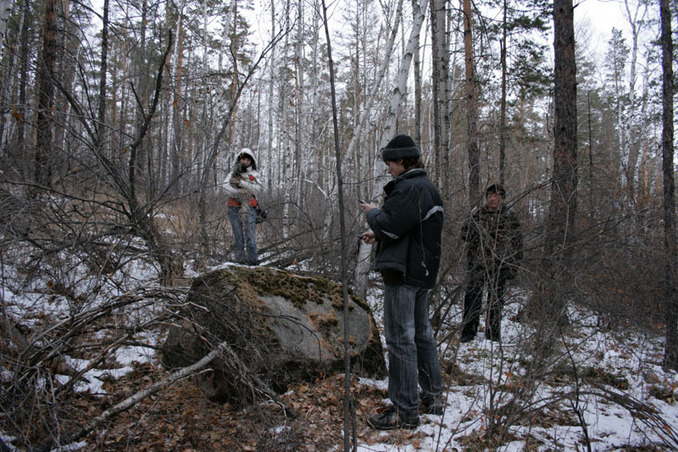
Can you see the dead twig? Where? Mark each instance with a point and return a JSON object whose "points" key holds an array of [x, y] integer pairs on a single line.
{"points": [[222, 348]]}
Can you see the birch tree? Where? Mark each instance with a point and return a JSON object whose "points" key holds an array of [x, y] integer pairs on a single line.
{"points": [[440, 86], [636, 21], [5, 9], [169, 159], [397, 97], [616, 60]]}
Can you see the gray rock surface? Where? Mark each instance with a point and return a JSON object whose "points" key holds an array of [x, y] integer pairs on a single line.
{"points": [[281, 328]]}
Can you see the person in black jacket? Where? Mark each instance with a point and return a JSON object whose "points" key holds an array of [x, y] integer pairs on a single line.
{"points": [[495, 247], [407, 230]]}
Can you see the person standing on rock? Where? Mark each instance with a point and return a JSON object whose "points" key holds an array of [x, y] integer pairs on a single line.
{"points": [[407, 230], [242, 185]]}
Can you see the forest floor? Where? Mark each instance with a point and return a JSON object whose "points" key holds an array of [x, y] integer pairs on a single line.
{"points": [[182, 419], [636, 411], [603, 390]]}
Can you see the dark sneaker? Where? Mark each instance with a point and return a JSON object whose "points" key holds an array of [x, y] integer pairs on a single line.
{"points": [[435, 406], [466, 337], [390, 420], [493, 337]]}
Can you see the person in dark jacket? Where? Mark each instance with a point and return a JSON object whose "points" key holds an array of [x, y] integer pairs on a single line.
{"points": [[495, 248], [407, 230]]}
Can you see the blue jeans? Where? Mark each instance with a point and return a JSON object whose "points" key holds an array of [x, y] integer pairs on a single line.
{"points": [[244, 233], [412, 349]]}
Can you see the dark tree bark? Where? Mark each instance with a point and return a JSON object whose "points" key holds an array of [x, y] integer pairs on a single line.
{"points": [[435, 82], [416, 67], [502, 108], [563, 207], [441, 96], [471, 108], [23, 79], [45, 84], [670, 304], [550, 302], [102, 83]]}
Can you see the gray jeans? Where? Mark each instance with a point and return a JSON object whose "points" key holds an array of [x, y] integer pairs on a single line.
{"points": [[412, 350], [244, 233]]}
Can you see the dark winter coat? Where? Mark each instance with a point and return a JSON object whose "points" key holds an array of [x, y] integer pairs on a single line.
{"points": [[495, 242], [408, 229]]}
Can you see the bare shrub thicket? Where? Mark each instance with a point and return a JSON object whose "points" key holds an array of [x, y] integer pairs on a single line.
{"points": [[72, 258], [72, 300], [609, 282], [81, 287]]}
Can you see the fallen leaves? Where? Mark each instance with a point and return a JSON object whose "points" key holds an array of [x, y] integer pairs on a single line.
{"points": [[182, 419]]}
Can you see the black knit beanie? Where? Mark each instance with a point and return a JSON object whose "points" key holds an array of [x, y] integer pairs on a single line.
{"points": [[400, 147], [496, 188]]}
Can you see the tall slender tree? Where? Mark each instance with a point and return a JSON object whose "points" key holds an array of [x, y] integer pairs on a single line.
{"points": [[471, 107], [637, 22], [440, 84], [671, 267], [615, 62], [563, 205], [45, 84]]}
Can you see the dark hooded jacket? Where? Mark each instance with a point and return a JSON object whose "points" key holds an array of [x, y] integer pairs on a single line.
{"points": [[408, 229]]}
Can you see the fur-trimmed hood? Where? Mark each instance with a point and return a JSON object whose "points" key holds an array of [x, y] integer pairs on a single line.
{"points": [[248, 153]]}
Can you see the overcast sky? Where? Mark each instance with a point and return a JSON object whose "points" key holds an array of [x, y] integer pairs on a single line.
{"points": [[605, 14]]}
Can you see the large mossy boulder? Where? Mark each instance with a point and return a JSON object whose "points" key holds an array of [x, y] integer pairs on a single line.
{"points": [[280, 328]]}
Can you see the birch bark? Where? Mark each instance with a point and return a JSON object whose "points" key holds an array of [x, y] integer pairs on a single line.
{"points": [[5, 8], [636, 22], [397, 98]]}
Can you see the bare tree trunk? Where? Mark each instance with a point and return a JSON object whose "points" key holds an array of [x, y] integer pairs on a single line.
{"points": [[141, 213], [400, 91], [65, 67], [22, 81], [416, 66], [372, 97], [563, 204], [670, 304], [299, 165], [170, 158], [271, 86], [502, 108], [642, 151], [101, 116], [45, 84], [438, 82], [349, 410], [563, 207], [5, 8], [471, 108]]}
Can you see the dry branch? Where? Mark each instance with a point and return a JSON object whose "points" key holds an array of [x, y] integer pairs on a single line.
{"points": [[222, 348]]}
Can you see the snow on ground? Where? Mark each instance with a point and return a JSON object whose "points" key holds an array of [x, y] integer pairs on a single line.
{"points": [[632, 361], [482, 373]]}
